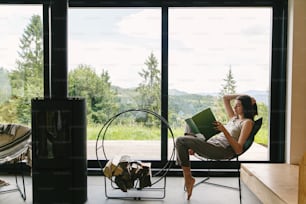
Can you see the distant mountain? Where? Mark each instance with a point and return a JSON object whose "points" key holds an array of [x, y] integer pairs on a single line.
{"points": [[175, 92], [260, 96], [128, 95]]}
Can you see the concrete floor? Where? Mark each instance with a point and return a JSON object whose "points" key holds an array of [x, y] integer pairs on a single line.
{"points": [[174, 192]]}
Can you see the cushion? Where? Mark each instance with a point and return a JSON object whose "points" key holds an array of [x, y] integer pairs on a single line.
{"points": [[15, 141]]}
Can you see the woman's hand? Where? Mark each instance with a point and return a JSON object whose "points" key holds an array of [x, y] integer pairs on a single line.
{"points": [[190, 151], [219, 126]]}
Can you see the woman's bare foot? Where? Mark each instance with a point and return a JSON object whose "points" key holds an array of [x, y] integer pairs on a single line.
{"points": [[189, 187], [189, 180]]}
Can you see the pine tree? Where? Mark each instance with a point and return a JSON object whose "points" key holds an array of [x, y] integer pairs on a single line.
{"points": [[149, 88], [27, 79], [229, 87]]}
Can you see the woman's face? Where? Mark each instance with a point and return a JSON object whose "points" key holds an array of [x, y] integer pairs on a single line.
{"points": [[238, 108]]}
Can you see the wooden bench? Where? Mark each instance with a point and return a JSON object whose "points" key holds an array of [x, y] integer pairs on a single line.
{"points": [[272, 183]]}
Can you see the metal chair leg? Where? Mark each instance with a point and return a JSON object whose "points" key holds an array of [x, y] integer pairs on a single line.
{"points": [[23, 190], [202, 181], [240, 200], [205, 180]]}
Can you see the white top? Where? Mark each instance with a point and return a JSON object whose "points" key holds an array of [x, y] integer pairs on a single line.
{"points": [[234, 127]]}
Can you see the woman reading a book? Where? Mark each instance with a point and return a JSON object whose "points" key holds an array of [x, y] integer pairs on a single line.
{"points": [[226, 144]]}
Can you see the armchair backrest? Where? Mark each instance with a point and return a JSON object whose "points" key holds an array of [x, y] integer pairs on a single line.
{"points": [[250, 140]]}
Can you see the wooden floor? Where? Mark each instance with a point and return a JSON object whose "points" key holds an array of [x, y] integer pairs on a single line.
{"points": [[175, 194]]}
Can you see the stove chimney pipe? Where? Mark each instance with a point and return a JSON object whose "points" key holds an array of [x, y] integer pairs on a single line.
{"points": [[59, 59]]}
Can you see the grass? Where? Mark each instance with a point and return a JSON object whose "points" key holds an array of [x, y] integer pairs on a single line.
{"points": [[129, 132], [261, 137], [139, 132]]}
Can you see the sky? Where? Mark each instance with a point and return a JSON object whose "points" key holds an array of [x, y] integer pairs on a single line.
{"points": [[203, 44], [12, 27]]}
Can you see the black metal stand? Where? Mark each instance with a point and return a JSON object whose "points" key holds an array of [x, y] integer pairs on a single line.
{"points": [[17, 187], [157, 190], [205, 181]]}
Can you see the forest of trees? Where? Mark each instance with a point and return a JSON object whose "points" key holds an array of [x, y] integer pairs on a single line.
{"points": [[25, 81]]}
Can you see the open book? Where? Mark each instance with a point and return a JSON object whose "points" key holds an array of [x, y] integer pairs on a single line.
{"points": [[202, 122]]}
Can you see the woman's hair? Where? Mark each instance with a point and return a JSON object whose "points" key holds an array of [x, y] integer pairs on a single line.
{"points": [[249, 109]]}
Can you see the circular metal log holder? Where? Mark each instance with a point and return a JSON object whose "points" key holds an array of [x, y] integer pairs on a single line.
{"points": [[158, 188]]}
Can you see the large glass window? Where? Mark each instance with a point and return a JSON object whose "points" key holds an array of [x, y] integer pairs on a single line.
{"points": [[114, 62], [217, 51], [117, 62], [21, 61]]}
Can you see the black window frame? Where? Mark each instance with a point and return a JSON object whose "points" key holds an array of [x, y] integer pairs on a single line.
{"points": [[278, 65]]}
